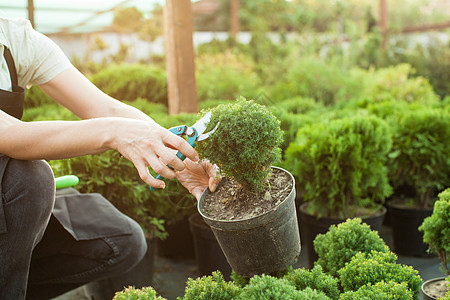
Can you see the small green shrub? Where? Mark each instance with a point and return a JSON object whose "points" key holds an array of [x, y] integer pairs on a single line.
{"points": [[436, 229], [48, 112], [340, 165], [129, 82], [380, 291], [212, 287], [245, 144], [131, 293], [312, 77], [365, 268], [315, 279], [337, 247], [268, 287], [225, 76], [447, 296], [419, 156]]}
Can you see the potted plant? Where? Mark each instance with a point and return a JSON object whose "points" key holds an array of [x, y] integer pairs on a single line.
{"points": [[436, 233], [252, 214], [340, 168], [342, 241], [371, 268], [420, 167]]}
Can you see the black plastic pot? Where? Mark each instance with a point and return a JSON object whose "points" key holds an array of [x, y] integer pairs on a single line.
{"points": [[405, 222], [312, 226], [263, 244], [426, 295], [208, 254], [179, 244], [140, 276]]}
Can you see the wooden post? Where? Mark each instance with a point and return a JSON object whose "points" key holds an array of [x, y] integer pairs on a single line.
{"points": [[180, 64], [234, 15], [383, 22], [31, 12]]}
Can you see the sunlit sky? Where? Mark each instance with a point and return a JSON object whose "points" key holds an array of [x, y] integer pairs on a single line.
{"points": [[53, 15]]}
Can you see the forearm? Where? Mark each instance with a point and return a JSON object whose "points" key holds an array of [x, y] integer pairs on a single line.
{"points": [[57, 139]]}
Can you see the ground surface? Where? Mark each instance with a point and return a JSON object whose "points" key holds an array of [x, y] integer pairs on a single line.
{"points": [[170, 275]]}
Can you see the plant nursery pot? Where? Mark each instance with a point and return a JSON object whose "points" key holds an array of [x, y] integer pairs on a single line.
{"points": [[179, 243], [208, 254], [265, 243], [312, 226], [140, 276], [435, 288], [405, 223]]}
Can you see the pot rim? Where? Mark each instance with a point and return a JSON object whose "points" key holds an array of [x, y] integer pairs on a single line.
{"points": [[206, 191], [430, 281]]}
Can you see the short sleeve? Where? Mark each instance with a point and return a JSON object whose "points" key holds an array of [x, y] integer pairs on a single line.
{"points": [[38, 59]]}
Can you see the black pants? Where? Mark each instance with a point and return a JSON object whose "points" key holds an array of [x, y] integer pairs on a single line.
{"points": [[39, 257]]}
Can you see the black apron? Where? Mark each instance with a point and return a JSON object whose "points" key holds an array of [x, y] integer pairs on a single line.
{"points": [[84, 216], [12, 102]]}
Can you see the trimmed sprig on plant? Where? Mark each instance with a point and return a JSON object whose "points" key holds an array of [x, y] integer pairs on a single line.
{"points": [[245, 144]]}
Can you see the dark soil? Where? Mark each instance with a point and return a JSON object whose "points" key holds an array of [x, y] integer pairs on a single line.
{"points": [[230, 202], [436, 289]]}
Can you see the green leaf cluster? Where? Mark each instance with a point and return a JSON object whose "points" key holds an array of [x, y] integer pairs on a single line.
{"points": [[340, 165], [419, 156], [131, 293], [128, 82], [373, 267], [380, 291], [337, 247], [210, 287], [245, 144], [315, 279], [436, 229]]}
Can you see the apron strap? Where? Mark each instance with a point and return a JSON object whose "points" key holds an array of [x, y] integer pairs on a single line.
{"points": [[11, 66]]}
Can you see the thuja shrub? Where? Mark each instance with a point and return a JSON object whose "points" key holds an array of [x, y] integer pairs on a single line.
{"points": [[340, 165], [337, 247], [210, 287], [380, 291], [131, 293], [245, 144], [370, 268], [269, 287], [130, 82], [315, 279], [436, 229]]}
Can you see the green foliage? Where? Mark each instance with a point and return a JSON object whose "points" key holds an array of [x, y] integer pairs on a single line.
{"points": [[339, 165], [130, 82], [380, 291], [447, 296], [315, 279], [370, 268], [395, 82], [245, 144], [239, 280], [436, 229], [225, 76], [337, 247], [47, 112], [311, 77], [131, 293], [268, 287], [35, 97], [419, 156], [212, 287]]}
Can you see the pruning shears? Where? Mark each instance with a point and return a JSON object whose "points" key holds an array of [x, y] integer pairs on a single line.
{"points": [[194, 134]]}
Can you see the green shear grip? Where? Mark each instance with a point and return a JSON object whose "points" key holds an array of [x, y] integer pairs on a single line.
{"points": [[66, 181]]}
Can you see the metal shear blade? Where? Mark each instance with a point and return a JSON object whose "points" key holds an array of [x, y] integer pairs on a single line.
{"points": [[201, 125]]}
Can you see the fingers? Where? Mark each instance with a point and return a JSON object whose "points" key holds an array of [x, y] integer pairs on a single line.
{"points": [[145, 175], [182, 145], [212, 172]]}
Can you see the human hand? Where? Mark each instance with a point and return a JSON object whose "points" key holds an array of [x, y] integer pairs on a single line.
{"points": [[146, 144], [197, 176]]}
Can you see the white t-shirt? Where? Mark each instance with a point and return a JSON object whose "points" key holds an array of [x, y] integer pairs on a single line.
{"points": [[37, 58]]}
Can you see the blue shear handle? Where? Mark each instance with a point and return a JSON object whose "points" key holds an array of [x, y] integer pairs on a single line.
{"points": [[179, 130]]}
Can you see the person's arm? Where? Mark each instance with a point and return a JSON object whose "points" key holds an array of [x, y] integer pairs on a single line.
{"points": [[109, 124]]}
